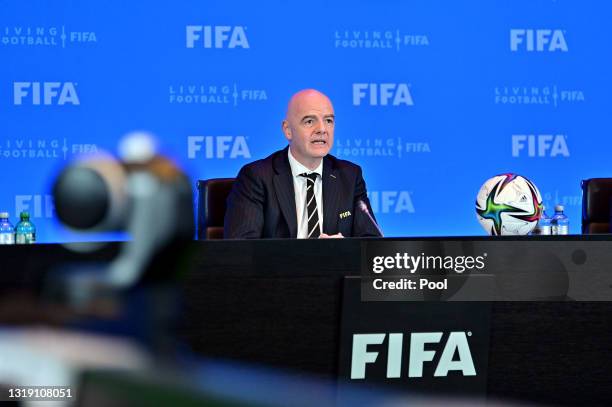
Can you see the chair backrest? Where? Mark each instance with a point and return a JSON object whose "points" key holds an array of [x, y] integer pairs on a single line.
{"points": [[212, 196], [596, 200]]}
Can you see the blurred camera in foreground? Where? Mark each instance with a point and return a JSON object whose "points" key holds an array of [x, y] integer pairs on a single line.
{"points": [[141, 193]]}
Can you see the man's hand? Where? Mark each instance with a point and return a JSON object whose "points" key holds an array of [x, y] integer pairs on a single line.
{"points": [[326, 236]]}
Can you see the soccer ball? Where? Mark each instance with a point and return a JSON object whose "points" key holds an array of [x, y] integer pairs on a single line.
{"points": [[508, 204]]}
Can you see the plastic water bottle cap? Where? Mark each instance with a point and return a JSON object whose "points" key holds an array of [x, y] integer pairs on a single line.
{"points": [[559, 208], [4, 215]]}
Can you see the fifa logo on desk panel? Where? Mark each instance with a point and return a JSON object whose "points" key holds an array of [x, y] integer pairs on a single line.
{"points": [[541, 145], [538, 40], [45, 93], [219, 36], [217, 147], [382, 94], [417, 357]]}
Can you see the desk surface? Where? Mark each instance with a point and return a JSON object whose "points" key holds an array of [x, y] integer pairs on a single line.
{"points": [[277, 303]]}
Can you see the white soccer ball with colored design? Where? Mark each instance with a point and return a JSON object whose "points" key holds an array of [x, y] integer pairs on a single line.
{"points": [[508, 204]]}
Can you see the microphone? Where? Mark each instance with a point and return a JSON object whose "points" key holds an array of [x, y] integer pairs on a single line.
{"points": [[364, 208]]}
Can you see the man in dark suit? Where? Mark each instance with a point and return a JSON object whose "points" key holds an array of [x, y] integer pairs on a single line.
{"points": [[301, 191]]}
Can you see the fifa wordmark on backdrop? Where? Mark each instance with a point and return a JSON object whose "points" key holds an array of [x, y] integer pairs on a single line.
{"points": [[29, 148], [214, 94], [537, 40], [382, 94], [540, 145], [45, 93], [379, 147], [536, 95], [219, 36], [217, 147], [391, 202], [44, 36], [39, 206], [378, 39]]}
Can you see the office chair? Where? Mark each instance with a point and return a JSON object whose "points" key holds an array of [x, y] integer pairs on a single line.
{"points": [[596, 200], [212, 194]]}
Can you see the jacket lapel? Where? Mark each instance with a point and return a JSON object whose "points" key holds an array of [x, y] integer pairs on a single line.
{"points": [[283, 183], [330, 198]]}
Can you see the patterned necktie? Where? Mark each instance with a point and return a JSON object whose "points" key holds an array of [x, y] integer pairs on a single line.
{"points": [[311, 205]]}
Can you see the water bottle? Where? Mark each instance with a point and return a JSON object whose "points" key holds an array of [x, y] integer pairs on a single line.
{"points": [[560, 222], [544, 226], [7, 234], [25, 232]]}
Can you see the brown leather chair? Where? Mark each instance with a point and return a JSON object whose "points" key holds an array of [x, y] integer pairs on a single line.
{"points": [[596, 200], [212, 194]]}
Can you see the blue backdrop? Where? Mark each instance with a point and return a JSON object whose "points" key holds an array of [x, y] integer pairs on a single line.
{"points": [[432, 97]]}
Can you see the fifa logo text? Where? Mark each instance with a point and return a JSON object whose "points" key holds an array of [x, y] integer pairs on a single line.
{"points": [[382, 94], [541, 145], [391, 201], [540, 40], [39, 206], [219, 36], [217, 147], [45, 93], [456, 343]]}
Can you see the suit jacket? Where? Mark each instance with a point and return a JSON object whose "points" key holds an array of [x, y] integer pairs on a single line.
{"points": [[262, 201]]}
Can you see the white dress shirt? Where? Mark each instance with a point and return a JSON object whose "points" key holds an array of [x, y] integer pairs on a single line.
{"points": [[299, 186]]}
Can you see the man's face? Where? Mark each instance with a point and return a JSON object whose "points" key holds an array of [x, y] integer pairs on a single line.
{"points": [[309, 127]]}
